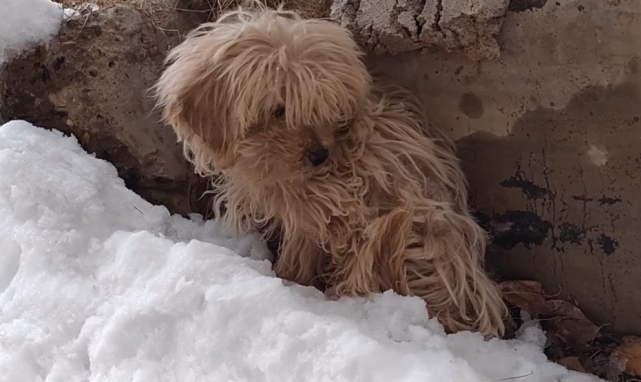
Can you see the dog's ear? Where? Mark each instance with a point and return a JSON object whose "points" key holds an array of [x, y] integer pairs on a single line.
{"points": [[191, 103], [193, 94], [200, 110]]}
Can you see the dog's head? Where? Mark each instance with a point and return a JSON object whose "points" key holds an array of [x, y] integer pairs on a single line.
{"points": [[263, 94]]}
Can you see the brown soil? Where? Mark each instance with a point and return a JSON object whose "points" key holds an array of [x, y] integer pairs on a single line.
{"points": [[100, 3], [309, 8]]}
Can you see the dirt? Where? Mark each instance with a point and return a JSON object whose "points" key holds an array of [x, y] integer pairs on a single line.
{"points": [[92, 81], [100, 3], [572, 339], [211, 8]]}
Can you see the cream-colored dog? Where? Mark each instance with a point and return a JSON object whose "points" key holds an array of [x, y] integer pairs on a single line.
{"points": [[367, 196]]}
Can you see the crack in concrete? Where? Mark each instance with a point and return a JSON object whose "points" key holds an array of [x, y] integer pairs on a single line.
{"points": [[437, 16], [398, 9], [419, 23]]}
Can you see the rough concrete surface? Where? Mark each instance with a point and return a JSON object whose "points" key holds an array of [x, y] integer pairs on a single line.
{"points": [[550, 136], [397, 26], [92, 81]]}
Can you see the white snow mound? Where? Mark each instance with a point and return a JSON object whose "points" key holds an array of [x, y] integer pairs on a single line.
{"points": [[26, 23], [98, 285]]}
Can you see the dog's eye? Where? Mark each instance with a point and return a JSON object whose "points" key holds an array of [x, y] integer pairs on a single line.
{"points": [[342, 127], [344, 120], [279, 112]]}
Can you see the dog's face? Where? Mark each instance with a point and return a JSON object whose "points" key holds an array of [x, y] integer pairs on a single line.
{"points": [[263, 95]]}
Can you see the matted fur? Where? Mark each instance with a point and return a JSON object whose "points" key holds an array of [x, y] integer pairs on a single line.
{"points": [[250, 94]]}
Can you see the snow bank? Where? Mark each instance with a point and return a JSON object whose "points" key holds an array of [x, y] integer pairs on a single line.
{"points": [[98, 285], [26, 23]]}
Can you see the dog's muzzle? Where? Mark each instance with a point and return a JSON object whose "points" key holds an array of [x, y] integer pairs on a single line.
{"points": [[317, 155]]}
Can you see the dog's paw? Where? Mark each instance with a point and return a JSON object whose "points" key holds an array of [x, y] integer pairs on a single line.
{"points": [[330, 294], [287, 283]]}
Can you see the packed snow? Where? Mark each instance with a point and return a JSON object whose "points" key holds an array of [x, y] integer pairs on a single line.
{"points": [[97, 284], [26, 23]]}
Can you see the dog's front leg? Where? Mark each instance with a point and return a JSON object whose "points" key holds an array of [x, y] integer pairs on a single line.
{"points": [[373, 261], [300, 261]]}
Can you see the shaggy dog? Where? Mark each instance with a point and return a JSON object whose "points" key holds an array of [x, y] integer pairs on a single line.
{"points": [[300, 139]]}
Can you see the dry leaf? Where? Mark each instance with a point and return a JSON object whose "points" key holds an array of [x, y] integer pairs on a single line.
{"points": [[629, 352], [572, 326], [572, 363], [575, 332], [565, 308], [526, 295], [572, 300]]}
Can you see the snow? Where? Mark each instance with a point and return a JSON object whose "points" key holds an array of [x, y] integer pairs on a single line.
{"points": [[26, 23], [81, 10], [96, 284]]}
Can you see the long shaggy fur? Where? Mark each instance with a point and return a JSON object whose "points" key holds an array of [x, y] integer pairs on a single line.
{"points": [[255, 94]]}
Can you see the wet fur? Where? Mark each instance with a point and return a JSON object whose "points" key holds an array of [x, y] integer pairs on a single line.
{"points": [[249, 94]]}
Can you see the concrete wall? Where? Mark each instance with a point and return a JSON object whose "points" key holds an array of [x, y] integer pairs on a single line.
{"points": [[550, 135]]}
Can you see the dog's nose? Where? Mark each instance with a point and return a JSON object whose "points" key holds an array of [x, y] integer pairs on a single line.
{"points": [[317, 155]]}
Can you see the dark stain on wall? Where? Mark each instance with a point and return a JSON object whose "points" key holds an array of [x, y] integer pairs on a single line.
{"points": [[571, 233], [525, 5], [573, 223], [471, 105], [512, 228], [607, 244], [605, 200], [529, 189]]}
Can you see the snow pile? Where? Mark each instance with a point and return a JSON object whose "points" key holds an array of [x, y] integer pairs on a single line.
{"points": [[98, 285], [81, 10], [26, 23]]}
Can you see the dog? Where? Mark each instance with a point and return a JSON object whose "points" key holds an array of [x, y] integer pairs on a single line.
{"points": [[299, 138]]}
